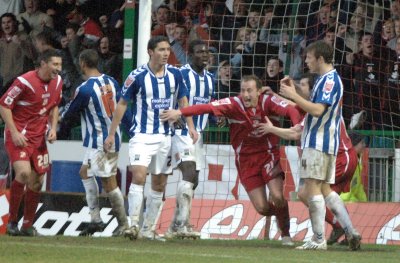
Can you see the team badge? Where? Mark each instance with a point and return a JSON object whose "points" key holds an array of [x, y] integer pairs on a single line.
{"points": [[328, 87]]}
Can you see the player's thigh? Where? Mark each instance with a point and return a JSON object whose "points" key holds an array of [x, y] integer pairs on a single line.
{"points": [[258, 198], [317, 165], [161, 161], [158, 182], [182, 150]]}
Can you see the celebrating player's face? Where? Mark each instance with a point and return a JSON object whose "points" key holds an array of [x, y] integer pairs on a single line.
{"points": [[161, 53], [249, 93], [52, 68]]}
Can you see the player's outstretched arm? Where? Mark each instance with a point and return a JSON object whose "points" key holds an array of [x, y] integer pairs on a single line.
{"points": [[116, 119], [293, 133], [18, 138], [54, 116]]}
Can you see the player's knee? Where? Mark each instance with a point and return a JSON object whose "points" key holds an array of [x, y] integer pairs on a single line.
{"points": [[302, 195], [23, 176], [263, 209]]}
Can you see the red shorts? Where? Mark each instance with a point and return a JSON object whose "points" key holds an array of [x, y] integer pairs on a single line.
{"points": [[37, 155], [346, 165], [257, 169]]}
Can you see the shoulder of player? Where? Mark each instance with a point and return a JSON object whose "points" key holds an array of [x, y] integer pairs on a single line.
{"points": [[172, 69]]}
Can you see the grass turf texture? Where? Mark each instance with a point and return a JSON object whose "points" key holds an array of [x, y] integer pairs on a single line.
{"points": [[87, 249]]}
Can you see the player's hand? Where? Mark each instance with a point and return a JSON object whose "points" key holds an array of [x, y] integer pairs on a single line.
{"points": [[266, 90], [109, 142], [264, 128], [287, 88], [170, 115], [19, 139], [52, 136], [194, 135]]}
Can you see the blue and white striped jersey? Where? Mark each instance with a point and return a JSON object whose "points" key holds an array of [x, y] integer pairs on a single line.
{"points": [[152, 95], [201, 90], [96, 100], [323, 133]]}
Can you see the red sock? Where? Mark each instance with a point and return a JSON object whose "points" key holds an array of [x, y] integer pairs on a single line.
{"points": [[283, 219], [16, 193], [31, 203], [329, 217]]}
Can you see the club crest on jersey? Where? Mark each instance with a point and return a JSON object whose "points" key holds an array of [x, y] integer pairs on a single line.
{"points": [[328, 87], [220, 102], [129, 81], [279, 101]]}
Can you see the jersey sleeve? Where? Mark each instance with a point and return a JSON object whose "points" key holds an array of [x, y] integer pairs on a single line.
{"points": [[181, 87], [274, 105], [328, 91], [80, 101], [129, 87], [12, 95], [222, 107]]}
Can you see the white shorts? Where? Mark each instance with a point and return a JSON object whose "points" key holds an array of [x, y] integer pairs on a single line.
{"points": [[184, 150], [318, 165], [100, 163], [152, 151]]}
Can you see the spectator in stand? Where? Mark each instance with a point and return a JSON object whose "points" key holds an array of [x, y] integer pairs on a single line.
{"points": [[317, 25], [227, 86], [74, 37], [273, 73], [177, 35], [388, 33], [369, 67], [162, 18], [352, 35], [393, 42], [392, 96], [271, 31], [110, 63], [225, 23], [33, 20], [194, 13], [15, 50], [91, 30]]}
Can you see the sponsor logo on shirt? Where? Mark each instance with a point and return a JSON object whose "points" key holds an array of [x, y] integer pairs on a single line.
{"points": [[220, 102], [200, 100], [162, 103]]}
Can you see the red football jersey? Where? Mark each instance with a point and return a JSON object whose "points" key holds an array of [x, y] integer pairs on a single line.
{"points": [[31, 99], [244, 137], [345, 141]]}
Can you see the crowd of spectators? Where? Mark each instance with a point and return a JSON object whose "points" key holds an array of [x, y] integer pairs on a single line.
{"points": [[262, 37]]}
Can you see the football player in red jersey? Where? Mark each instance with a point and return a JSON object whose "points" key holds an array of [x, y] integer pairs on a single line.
{"points": [[28, 106], [256, 155]]}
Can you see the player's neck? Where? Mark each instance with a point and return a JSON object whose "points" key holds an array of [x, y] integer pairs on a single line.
{"points": [[89, 73], [157, 69], [44, 77], [199, 70], [325, 68]]}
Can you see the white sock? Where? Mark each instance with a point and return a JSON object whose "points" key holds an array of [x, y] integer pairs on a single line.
{"points": [[135, 200], [92, 198], [153, 203], [118, 207], [336, 205], [317, 215], [184, 199]]}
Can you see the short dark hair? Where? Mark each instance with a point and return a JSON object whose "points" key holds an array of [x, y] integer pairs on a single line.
{"points": [[73, 26], [247, 78], [90, 57], [152, 44], [13, 18], [45, 37], [276, 58], [47, 55], [321, 49], [194, 43]]}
